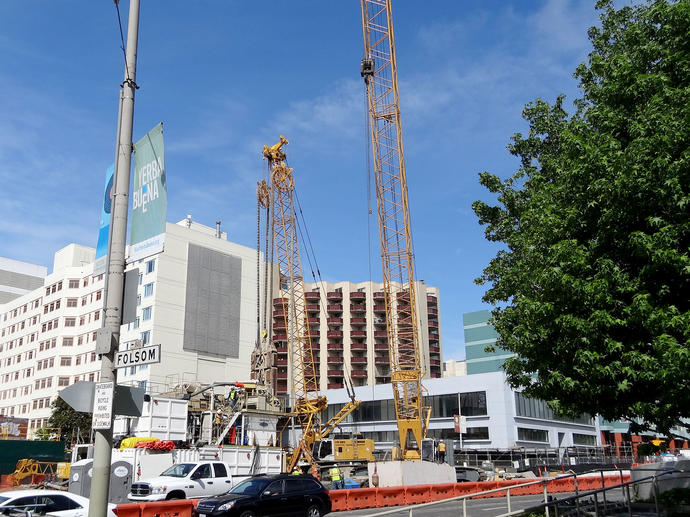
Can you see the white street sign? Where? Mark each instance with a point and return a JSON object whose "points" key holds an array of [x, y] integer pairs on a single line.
{"points": [[103, 405], [138, 356]]}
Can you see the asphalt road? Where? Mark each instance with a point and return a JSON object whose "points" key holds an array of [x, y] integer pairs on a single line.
{"points": [[475, 507]]}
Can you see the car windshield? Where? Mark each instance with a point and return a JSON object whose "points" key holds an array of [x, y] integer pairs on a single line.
{"points": [[180, 470], [3, 499], [250, 487]]}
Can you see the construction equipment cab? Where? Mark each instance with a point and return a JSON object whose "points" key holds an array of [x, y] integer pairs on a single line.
{"points": [[343, 449]]}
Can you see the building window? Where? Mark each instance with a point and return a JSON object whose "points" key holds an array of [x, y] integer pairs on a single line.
{"points": [[73, 284], [67, 341], [535, 408], [473, 404], [584, 439], [151, 266], [141, 278], [136, 323], [65, 361], [533, 435], [476, 433], [146, 337], [63, 381], [146, 314], [148, 289], [70, 322], [71, 302]]}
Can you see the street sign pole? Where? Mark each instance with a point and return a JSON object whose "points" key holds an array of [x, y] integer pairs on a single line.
{"points": [[109, 336]]}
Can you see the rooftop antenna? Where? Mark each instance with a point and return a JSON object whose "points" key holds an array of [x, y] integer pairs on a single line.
{"points": [[189, 220]]}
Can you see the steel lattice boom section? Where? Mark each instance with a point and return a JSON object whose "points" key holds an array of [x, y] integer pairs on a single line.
{"points": [[380, 74]]}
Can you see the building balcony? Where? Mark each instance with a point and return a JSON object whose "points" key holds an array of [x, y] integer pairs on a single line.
{"points": [[334, 321], [434, 349], [435, 375], [335, 386], [281, 349], [281, 375], [280, 324], [432, 312], [434, 362], [313, 333], [312, 295], [433, 324], [381, 333], [280, 337], [358, 309], [280, 362], [280, 301], [279, 313], [379, 295], [383, 379], [334, 295], [382, 359], [431, 300], [358, 333], [433, 336], [379, 321], [402, 295], [380, 308], [335, 359], [381, 346], [358, 346], [335, 308], [403, 307], [312, 321], [334, 373], [312, 308], [359, 373], [356, 322], [334, 334], [358, 359], [335, 346], [358, 295]]}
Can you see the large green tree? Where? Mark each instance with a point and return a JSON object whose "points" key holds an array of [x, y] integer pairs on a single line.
{"points": [[72, 424], [592, 283]]}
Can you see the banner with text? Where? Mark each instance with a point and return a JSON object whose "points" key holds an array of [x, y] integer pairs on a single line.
{"points": [[99, 265], [149, 196]]}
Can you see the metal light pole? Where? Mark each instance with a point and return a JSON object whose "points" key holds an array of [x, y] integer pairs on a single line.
{"points": [[107, 343]]}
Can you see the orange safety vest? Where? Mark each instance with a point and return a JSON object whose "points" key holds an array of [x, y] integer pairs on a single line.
{"points": [[442, 447]]}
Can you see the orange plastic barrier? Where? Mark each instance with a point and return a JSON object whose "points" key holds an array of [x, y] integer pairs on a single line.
{"points": [[442, 491], [390, 496], [464, 489], [6, 481], [358, 498], [175, 508], [338, 500], [417, 494], [128, 510]]}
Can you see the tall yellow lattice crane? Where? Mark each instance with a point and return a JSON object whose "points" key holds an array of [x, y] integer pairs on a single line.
{"points": [[277, 197], [380, 76]]}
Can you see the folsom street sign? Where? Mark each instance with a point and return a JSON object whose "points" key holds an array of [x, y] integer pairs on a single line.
{"points": [[138, 356]]}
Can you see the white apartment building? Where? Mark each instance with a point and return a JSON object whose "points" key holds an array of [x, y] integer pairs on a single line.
{"points": [[347, 324], [197, 299], [18, 278]]}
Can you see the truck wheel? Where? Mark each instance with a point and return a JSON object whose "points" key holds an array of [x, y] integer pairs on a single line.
{"points": [[175, 495], [247, 514], [313, 511]]}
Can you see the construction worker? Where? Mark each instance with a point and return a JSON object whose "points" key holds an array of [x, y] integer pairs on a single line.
{"points": [[336, 477], [442, 452], [296, 471], [233, 399]]}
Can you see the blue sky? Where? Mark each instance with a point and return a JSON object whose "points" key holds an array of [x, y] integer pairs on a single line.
{"points": [[226, 77]]}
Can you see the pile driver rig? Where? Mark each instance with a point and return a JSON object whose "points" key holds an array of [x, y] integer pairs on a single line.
{"points": [[379, 70], [276, 196]]}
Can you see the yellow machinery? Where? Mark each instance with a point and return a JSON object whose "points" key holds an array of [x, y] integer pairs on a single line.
{"points": [[276, 196], [381, 79], [28, 467]]}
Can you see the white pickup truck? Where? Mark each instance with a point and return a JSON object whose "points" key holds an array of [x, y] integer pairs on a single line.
{"points": [[184, 480]]}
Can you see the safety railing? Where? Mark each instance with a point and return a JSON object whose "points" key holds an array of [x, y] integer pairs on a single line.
{"points": [[523, 489]]}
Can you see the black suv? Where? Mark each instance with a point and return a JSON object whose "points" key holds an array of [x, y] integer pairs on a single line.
{"points": [[271, 496]]}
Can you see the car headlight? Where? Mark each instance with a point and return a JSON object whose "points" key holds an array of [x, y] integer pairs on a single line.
{"points": [[159, 489], [226, 506]]}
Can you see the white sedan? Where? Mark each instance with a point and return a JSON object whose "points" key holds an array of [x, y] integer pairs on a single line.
{"points": [[54, 502]]}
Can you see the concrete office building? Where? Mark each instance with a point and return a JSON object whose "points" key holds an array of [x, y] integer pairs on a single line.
{"points": [[347, 324], [19, 278], [495, 416], [197, 299]]}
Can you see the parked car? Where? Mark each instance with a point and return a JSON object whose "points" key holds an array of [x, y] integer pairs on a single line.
{"points": [[270, 495], [183, 480], [54, 502]]}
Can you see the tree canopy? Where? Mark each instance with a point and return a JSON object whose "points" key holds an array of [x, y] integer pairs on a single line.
{"points": [[592, 284], [72, 424]]}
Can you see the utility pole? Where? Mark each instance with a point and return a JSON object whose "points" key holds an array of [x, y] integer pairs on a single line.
{"points": [[109, 336]]}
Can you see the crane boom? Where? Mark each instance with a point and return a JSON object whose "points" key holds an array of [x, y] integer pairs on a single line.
{"points": [[381, 79]]}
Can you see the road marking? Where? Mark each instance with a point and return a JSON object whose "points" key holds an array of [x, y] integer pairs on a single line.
{"points": [[489, 508]]}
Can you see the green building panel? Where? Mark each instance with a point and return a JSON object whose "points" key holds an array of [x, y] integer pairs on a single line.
{"points": [[490, 365], [472, 318], [480, 334]]}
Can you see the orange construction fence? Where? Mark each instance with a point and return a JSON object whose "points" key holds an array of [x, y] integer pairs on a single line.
{"points": [[361, 498]]}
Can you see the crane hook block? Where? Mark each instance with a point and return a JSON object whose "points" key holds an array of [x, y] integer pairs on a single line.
{"points": [[367, 69]]}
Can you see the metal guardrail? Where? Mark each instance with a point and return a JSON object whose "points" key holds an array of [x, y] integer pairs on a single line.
{"points": [[546, 506]]}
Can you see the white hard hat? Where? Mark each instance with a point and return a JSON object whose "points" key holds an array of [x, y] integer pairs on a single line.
{"points": [[335, 464]]}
